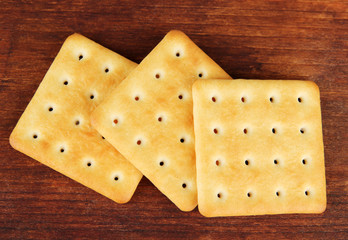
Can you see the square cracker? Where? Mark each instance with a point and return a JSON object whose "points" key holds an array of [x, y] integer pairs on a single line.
{"points": [[259, 147], [148, 117], [55, 128]]}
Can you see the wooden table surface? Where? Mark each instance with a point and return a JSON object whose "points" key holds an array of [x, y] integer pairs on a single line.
{"points": [[305, 39]]}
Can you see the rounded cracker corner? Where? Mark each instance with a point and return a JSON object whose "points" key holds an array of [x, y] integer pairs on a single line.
{"points": [[176, 34], [123, 200], [203, 212], [322, 208], [187, 208], [119, 198], [13, 140], [314, 86], [73, 37]]}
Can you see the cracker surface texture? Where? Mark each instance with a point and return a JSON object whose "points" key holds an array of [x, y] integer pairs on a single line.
{"points": [[259, 147], [55, 127], [148, 117]]}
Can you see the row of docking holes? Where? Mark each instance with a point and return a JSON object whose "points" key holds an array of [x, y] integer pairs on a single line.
{"points": [[137, 97], [250, 194], [157, 75], [139, 141], [245, 99], [248, 162], [274, 130], [89, 164], [77, 122]]}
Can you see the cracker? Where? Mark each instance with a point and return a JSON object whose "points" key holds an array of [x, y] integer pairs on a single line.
{"points": [[148, 117], [259, 147], [55, 128]]}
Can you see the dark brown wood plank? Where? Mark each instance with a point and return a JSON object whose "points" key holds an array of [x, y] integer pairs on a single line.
{"points": [[305, 39]]}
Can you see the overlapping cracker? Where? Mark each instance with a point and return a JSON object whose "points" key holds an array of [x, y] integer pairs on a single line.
{"points": [[55, 128], [259, 147], [148, 118]]}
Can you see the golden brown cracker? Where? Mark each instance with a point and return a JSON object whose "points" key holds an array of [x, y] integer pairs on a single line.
{"points": [[55, 128], [259, 147], [148, 118]]}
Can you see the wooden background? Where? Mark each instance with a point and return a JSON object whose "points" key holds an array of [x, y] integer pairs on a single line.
{"points": [[249, 39]]}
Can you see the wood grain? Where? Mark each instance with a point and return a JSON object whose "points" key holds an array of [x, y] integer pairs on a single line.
{"points": [[305, 39]]}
